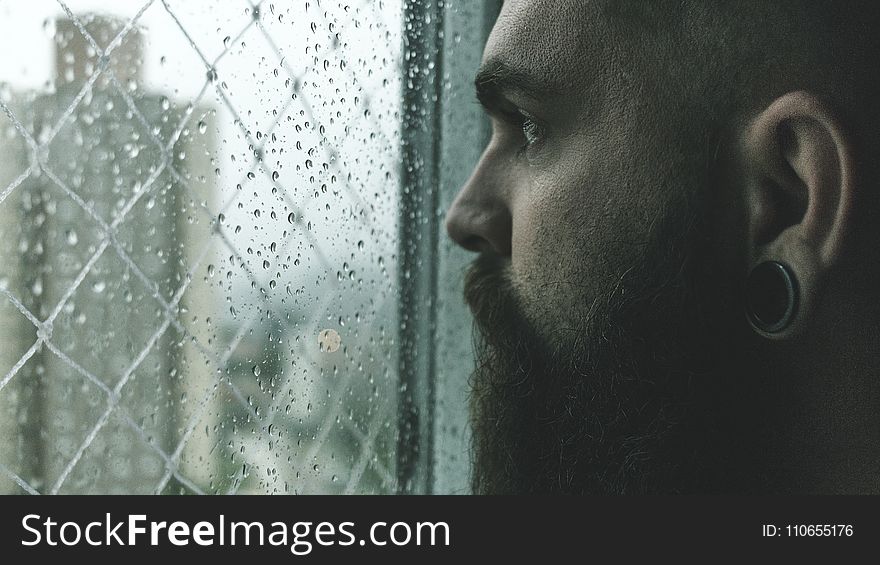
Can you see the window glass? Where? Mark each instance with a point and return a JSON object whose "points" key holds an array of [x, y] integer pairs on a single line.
{"points": [[199, 218]]}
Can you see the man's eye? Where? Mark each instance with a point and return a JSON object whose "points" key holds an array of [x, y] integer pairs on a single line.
{"points": [[516, 119], [532, 132], [531, 129]]}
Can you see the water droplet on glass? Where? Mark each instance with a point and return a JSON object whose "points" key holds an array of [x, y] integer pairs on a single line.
{"points": [[275, 176], [210, 270], [99, 286], [256, 370], [72, 238], [203, 127], [291, 217]]}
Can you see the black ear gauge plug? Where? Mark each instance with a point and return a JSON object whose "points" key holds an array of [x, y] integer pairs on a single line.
{"points": [[771, 297]]}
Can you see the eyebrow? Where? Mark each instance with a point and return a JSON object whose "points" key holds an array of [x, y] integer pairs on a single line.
{"points": [[496, 79]]}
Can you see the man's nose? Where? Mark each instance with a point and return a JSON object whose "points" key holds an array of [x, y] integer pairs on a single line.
{"points": [[479, 219]]}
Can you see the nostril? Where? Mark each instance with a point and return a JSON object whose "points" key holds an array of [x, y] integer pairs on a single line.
{"points": [[465, 237], [481, 226], [483, 234], [476, 243]]}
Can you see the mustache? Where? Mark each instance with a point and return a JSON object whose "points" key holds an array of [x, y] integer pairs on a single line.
{"points": [[485, 272], [499, 313], [490, 295], [501, 326]]}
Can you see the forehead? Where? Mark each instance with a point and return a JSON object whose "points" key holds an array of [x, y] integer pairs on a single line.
{"points": [[558, 41]]}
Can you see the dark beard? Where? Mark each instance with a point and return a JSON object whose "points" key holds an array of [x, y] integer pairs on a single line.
{"points": [[642, 398]]}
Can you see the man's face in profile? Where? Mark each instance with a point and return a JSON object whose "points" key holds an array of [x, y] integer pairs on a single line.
{"points": [[594, 293]]}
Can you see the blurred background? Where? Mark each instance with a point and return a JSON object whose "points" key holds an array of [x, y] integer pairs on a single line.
{"points": [[222, 262]]}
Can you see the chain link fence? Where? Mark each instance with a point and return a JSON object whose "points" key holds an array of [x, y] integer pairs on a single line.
{"points": [[198, 288]]}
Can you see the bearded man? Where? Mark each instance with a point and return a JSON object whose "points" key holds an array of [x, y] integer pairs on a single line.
{"points": [[678, 274]]}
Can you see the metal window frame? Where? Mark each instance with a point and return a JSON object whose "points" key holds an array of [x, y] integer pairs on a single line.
{"points": [[444, 133]]}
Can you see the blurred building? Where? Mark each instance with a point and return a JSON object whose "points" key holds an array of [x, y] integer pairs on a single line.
{"points": [[100, 243]]}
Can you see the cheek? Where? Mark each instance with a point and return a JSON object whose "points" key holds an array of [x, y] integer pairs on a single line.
{"points": [[551, 209], [550, 227], [553, 254], [574, 235]]}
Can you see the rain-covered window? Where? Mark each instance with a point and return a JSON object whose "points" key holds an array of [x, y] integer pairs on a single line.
{"points": [[222, 263]]}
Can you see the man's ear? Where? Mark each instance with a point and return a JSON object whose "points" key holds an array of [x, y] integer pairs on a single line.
{"points": [[800, 187]]}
